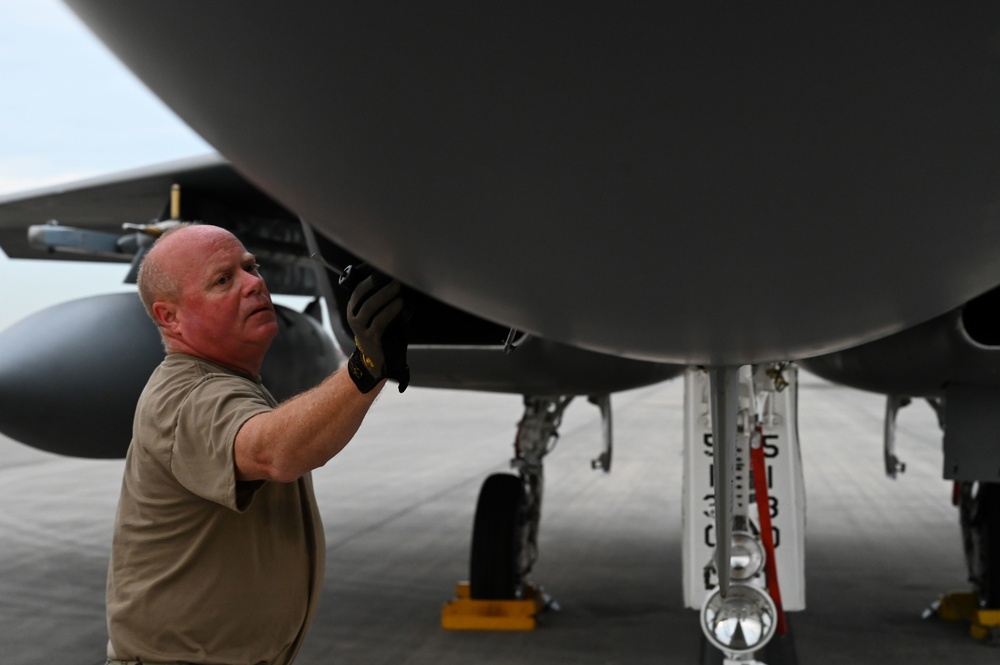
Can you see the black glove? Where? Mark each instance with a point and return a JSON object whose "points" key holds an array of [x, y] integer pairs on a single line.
{"points": [[373, 313]]}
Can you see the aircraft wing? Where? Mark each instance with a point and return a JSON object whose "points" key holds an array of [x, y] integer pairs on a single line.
{"points": [[90, 219], [138, 196]]}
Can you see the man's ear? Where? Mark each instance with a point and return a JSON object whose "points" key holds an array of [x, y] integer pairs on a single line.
{"points": [[166, 315]]}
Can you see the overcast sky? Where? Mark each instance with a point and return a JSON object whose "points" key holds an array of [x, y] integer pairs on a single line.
{"points": [[69, 110]]}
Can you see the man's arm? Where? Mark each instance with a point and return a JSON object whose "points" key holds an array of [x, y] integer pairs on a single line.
{"points": [[302, 433]]}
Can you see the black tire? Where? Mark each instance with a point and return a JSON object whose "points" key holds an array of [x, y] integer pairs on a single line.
{"points": [[980, 515], [496, 539]]}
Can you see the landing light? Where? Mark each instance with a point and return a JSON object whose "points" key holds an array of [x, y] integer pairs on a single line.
{"points": [[742, 622], [747, 556]]}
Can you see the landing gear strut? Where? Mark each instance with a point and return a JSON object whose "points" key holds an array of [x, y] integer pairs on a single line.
{"points": [[979, 506], [744, 519]]}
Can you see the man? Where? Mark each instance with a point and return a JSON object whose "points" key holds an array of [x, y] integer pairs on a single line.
{"points": [[218, 550]]}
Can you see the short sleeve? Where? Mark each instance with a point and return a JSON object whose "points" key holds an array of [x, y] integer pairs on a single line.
{"points": [[207, 423]]}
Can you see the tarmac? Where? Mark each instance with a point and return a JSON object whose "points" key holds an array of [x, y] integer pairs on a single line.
{"points": [[398, 508]]}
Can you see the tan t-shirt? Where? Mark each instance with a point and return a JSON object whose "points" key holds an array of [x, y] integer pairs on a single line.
{"points": [[205, 569]]}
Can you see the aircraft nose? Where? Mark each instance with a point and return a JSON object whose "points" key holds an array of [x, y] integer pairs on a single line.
{"points": [[70, 375]]}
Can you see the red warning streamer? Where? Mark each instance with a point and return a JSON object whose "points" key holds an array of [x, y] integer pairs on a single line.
{"points": [[764, 516]]}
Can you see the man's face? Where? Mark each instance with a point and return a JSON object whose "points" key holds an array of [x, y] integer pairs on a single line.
{"points": [[224, 311]]}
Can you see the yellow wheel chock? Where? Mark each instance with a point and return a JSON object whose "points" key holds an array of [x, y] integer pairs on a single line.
{"points": [[465, 613], [983, 623]]}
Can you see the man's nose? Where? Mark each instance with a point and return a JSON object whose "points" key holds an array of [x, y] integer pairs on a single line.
{"points": [[253, 283]]}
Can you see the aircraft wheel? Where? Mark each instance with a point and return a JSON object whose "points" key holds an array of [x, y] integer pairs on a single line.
{"points": [[496, 538], [979, 505]]}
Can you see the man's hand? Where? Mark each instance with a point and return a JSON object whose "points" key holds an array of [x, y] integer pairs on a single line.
{"points": [[369, 312]]}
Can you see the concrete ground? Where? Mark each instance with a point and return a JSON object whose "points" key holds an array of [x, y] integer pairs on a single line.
{"points": [[398, 505]]}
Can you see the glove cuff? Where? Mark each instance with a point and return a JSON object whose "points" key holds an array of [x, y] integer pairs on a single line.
{"points": [[362, 378]]}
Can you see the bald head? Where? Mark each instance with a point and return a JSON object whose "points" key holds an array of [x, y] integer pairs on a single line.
{"points": [[200, 286], [155, 280]]}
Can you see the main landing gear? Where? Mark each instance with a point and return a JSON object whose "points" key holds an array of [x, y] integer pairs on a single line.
{"points": [[508, 514], [979, 509], [967, 416], [505, 533], [979, 514]]}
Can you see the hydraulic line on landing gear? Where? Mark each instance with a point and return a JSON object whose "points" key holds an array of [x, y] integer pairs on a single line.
{"points": [[764, 517]]}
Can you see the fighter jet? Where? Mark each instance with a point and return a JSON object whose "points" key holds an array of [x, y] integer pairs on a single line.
{"points": [[708, 186]]}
